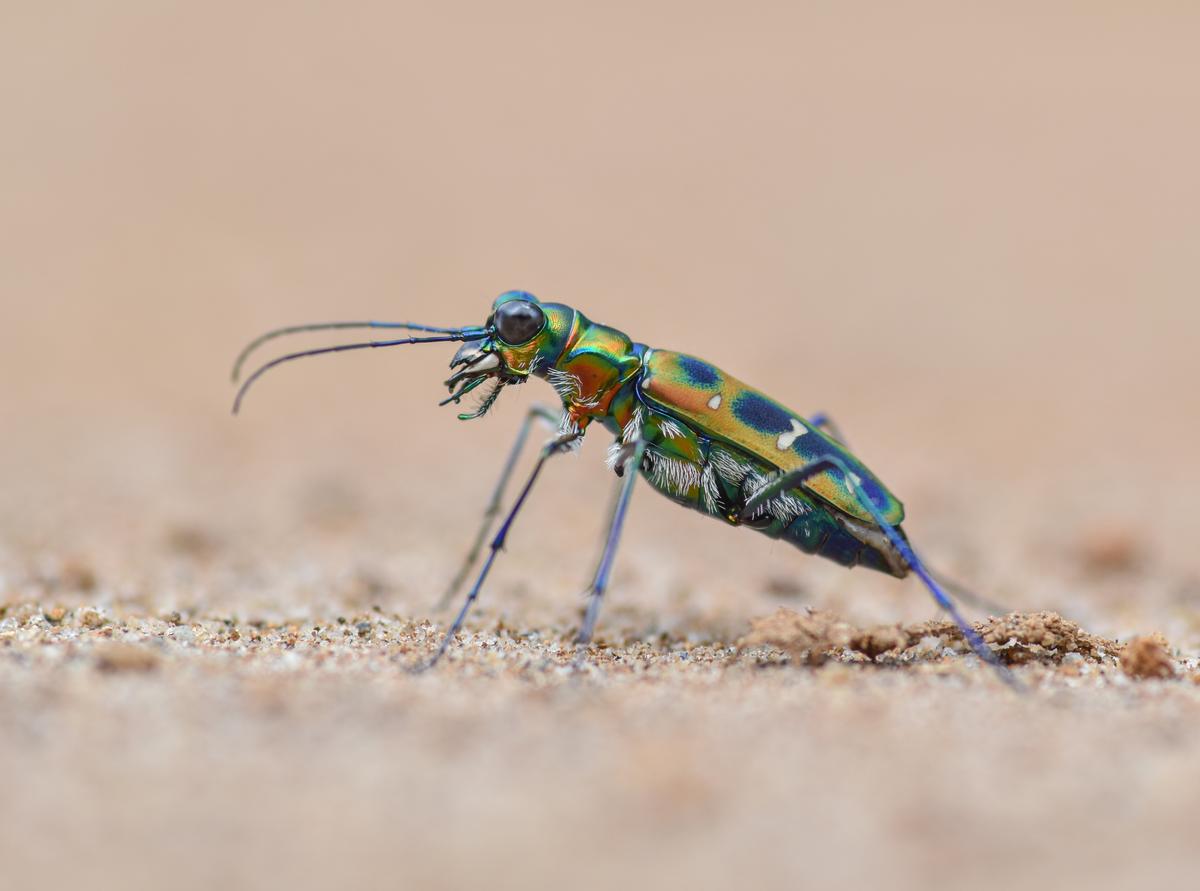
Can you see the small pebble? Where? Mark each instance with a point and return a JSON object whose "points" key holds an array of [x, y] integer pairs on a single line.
{"points": [[90, 618], [1147, 657]]}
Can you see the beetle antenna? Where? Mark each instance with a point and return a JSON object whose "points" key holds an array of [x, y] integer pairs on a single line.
{"points": [[326, 326], [459, 334]]}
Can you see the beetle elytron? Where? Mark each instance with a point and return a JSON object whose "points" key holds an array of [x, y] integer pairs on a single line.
{"points": [[693, 432]]}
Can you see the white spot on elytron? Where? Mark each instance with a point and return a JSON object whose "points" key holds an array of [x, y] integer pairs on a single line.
{"points": [[786, 439], [715, 402]]}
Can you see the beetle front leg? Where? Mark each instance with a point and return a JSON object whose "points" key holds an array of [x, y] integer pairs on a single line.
{"points": [[493, 506], [631, 461], [549, 450]]}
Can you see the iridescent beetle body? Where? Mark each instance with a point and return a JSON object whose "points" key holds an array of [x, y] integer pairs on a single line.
{"points": [[712, 441], [693, 432]]}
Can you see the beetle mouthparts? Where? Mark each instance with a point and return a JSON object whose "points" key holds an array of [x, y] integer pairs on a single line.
{"points": [[474, 362]]}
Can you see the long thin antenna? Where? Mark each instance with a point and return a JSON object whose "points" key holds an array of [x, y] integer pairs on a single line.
{"points": [[456, 336], [326, 326]]}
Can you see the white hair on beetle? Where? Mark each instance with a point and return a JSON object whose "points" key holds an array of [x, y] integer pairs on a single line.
{"points": [[708, 488], [784, 507], [568, 426], [670, 429], [570, 389], [633, 428], [729, 468], [671, 474]]}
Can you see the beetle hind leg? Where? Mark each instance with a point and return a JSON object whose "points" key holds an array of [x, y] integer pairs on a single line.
{"points": [[823, 422], [898, 541]]}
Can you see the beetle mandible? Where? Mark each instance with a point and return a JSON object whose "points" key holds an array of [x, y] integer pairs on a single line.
{"points": [[694, 433]]}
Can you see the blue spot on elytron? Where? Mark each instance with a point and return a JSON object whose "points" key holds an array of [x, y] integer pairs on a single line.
{"points": [[761, 413], [699, 372]]}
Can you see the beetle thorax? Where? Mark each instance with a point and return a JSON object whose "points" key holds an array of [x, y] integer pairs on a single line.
{"points": [[595, 363]]}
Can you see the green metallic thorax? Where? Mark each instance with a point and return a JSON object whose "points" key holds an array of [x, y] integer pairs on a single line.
{"points": [[712, 440]]}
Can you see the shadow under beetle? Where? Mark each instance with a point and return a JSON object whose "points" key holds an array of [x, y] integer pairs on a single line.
{"points": [[694, 433]]}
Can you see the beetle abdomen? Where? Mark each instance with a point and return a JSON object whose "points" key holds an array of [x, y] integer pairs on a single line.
{"points": [[721, 481], [723, 408]]}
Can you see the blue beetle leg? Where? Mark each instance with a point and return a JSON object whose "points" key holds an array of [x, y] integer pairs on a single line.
{"points": [[794, 478], [553, 447], [617, 520], [822, 421], [602, 540], [535, 413], [966, 595], [940, 596]]}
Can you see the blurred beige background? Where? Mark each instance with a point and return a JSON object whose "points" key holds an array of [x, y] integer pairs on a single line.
{"points": [[968, 232]]}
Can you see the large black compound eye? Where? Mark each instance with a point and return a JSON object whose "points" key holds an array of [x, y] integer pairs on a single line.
{"points": [[519, 321]]}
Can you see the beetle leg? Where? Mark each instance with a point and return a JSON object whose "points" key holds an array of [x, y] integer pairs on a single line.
{"points": [[553, 447], [794, 478], [822, 421], [493, 506], [966, 595], [630, 462]]}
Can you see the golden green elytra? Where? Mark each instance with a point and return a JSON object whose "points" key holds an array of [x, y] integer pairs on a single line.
{"points": [[695, 433]]}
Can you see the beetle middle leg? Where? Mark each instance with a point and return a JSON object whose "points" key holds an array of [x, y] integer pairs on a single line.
{"points": [[549, 450], [536, 412], [632, 460]]}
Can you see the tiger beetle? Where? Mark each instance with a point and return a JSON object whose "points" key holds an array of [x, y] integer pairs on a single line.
{"points": [[696, 434]]}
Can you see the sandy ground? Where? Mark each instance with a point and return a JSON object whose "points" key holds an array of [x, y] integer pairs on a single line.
{"points": [[970, 237]]}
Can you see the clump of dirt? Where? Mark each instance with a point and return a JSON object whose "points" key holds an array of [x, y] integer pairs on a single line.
{"points": [[809, 638], [815, 637], [1148, 657], [1110, 550], [1042, 637], [881, 639]]}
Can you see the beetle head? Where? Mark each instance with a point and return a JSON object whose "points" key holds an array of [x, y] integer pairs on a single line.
{"points": [[522, 336]]}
